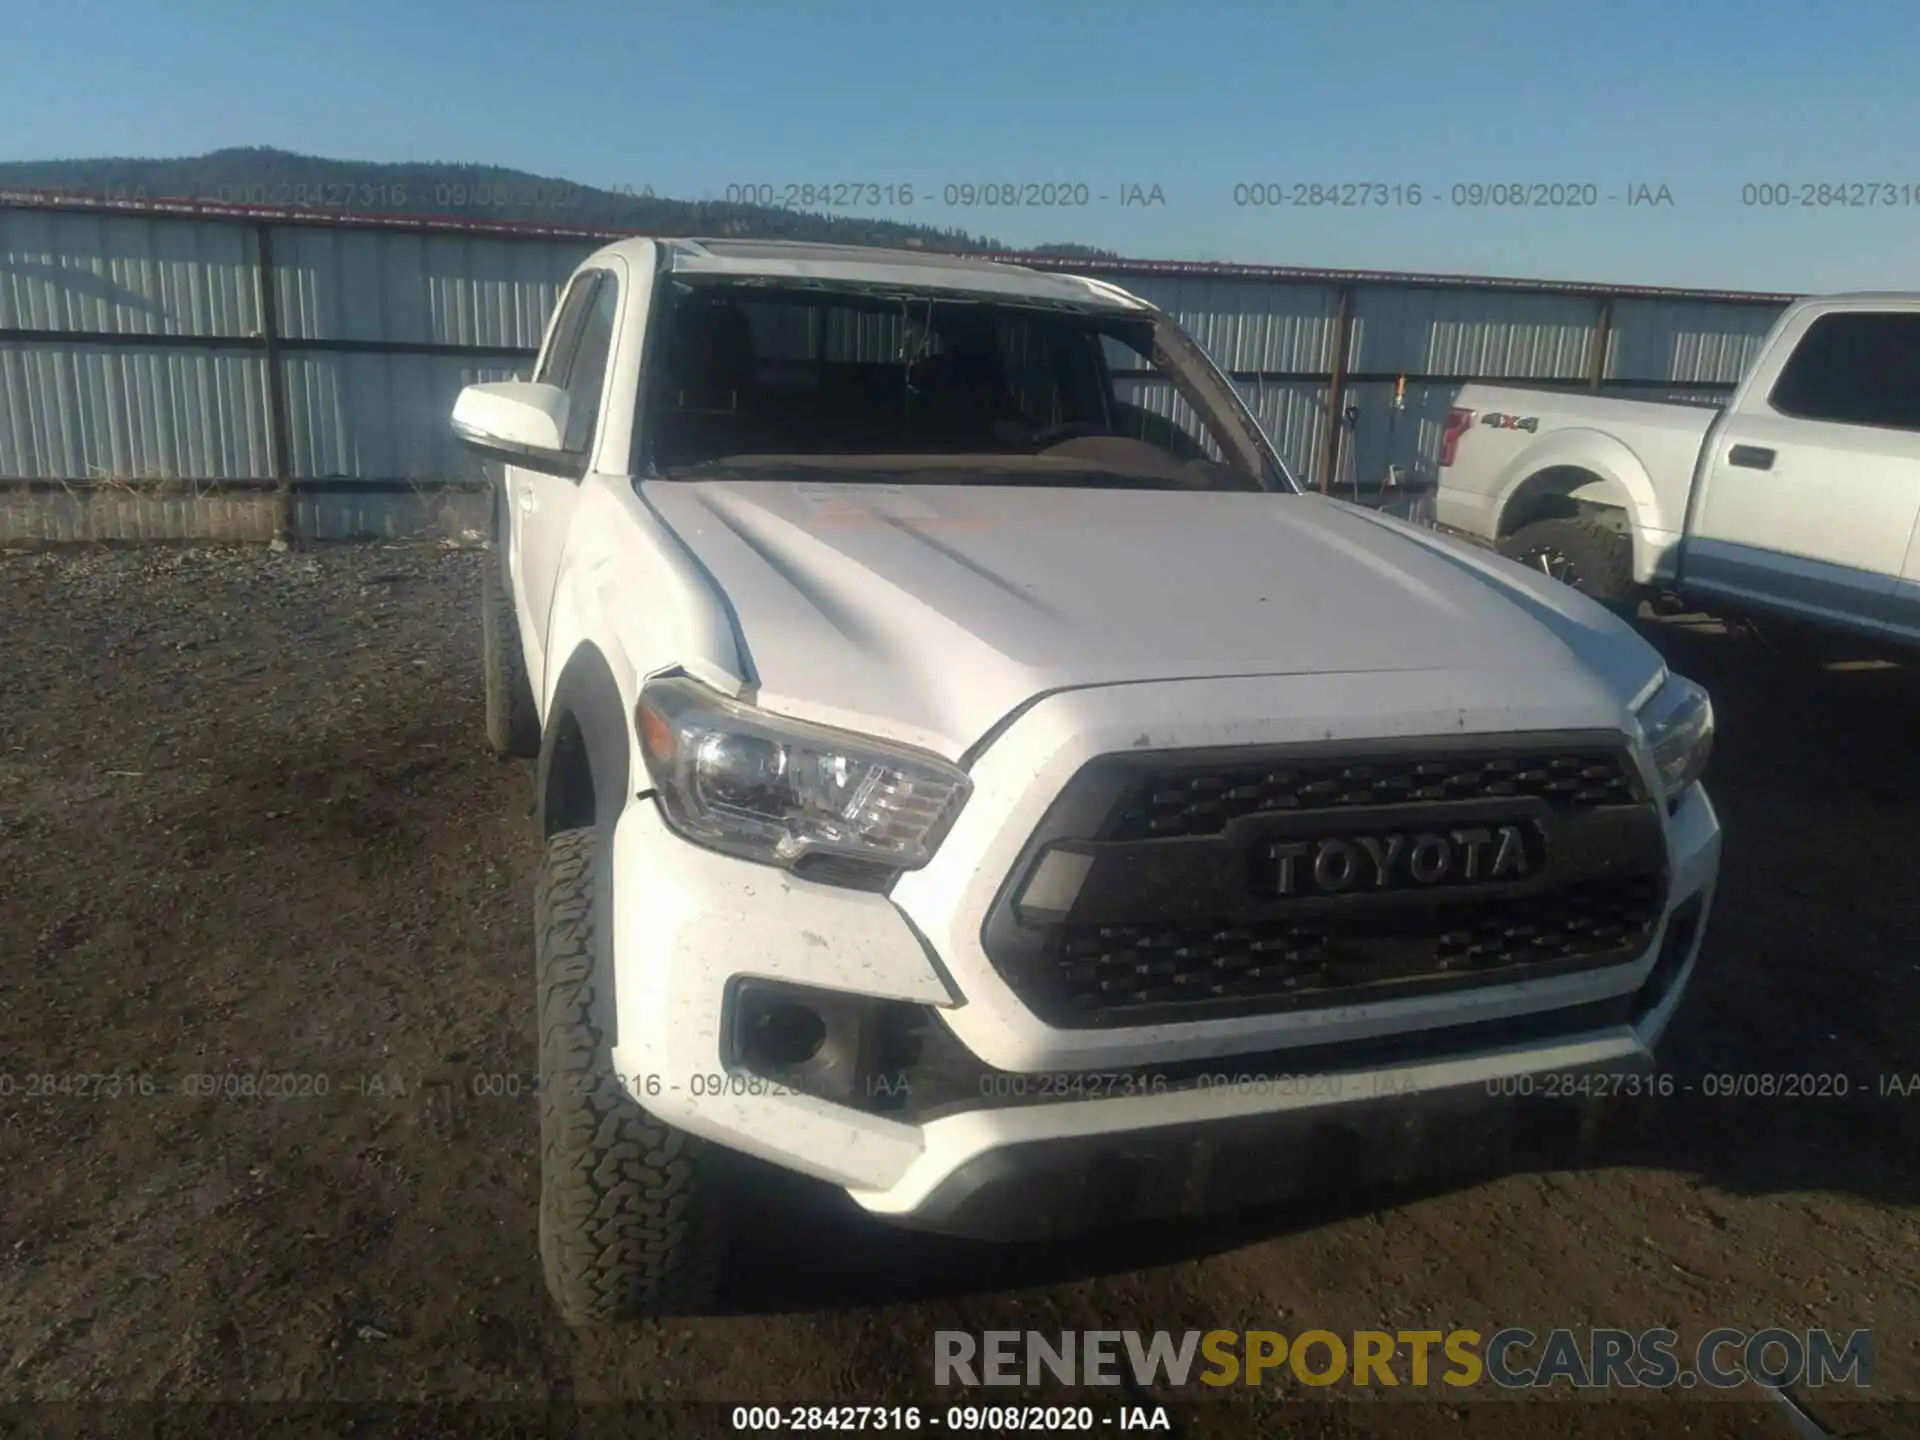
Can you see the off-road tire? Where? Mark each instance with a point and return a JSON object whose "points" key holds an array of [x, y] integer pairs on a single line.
{"points": [[632, 1217], [513, 724], [1585, 554]]}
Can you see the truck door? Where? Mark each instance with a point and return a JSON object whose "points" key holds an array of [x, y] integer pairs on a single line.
{"points": [[542, 505], [1810, 487]]}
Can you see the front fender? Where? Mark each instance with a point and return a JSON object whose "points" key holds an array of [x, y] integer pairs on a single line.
{"points": [[632, 587], [591, 721], [630, 603]]}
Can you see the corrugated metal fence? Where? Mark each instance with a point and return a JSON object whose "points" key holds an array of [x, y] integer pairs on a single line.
{"points": [[152, 356]]}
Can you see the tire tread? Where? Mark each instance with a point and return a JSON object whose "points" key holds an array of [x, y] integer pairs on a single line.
{"points": [[1602, 558], [630, 1222], [513, 721]]}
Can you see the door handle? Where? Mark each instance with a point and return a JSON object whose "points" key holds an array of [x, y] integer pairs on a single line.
{"points": [[1751, 457], [529, 502]]}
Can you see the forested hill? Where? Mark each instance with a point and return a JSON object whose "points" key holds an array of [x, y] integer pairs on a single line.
{"points": [[263, 176]]}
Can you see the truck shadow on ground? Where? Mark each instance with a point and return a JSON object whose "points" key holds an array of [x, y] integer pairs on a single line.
{"points": [[825, 1254], [1811, 969]]}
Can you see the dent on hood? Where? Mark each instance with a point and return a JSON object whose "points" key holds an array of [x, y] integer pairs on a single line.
{"points": [[933, 640]]}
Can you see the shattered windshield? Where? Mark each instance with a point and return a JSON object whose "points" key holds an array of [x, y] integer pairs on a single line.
{"points": [[768, 380]]}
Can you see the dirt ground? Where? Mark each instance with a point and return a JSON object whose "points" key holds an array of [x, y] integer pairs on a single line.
{"points": [[247, 825]]}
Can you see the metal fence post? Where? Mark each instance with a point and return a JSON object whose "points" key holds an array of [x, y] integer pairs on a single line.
{"points": [[1602, 339], [1337, 387], [276, 385]]}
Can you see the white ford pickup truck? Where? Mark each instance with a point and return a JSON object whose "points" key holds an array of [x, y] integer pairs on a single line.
{"points": [[973, 775], [1800, 500]]}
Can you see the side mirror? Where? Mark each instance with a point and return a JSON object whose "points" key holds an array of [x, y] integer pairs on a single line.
{"points": [[518, 422]]}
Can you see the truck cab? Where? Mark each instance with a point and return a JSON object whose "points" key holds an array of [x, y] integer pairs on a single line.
{"points": [[1806, 499]]}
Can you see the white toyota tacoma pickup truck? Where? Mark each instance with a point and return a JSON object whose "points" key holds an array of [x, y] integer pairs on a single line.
{"points": [[972, 774], [1799, 501]]}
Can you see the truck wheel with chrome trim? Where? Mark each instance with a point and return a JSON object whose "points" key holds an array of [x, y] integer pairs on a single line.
{"points": [[1583, 553], [513, 723], [631, 1217]]}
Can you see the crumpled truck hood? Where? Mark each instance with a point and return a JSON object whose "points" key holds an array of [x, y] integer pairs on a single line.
{"points": [[929, 613]]}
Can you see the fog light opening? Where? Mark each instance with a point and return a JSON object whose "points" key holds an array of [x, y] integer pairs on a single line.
{"points": [[784, 1035]]}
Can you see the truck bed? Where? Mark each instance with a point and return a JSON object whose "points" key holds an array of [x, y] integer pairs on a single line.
{"points": [[1502, 445]]}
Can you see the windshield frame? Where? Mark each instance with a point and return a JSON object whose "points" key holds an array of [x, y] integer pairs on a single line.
{"points": [[1177, 357]]}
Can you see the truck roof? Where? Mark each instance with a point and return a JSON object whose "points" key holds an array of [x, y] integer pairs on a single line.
{"points": [[1865, 300], [872, 265]]}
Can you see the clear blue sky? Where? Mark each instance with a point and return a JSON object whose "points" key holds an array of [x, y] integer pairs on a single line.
{"points": [[1702, 96]]}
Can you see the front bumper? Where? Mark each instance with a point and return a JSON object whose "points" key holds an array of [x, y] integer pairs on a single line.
{"points": [[691, 927], [688, 924], [1351, 1143]]}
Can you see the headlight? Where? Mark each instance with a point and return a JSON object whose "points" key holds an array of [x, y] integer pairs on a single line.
{"points": [[782, 791], [1678, 722]]}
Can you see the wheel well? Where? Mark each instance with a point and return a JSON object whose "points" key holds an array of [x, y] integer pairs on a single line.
{"points": [[1565, 492], [569, 800], [584, 763]]}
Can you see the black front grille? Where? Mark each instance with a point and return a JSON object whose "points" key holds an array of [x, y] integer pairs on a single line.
{"points": [[1103, 967], [1174, 915], [1181, 802]]}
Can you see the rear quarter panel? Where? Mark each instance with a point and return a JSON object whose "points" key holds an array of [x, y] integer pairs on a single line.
{"points": [[1640, 455]]}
